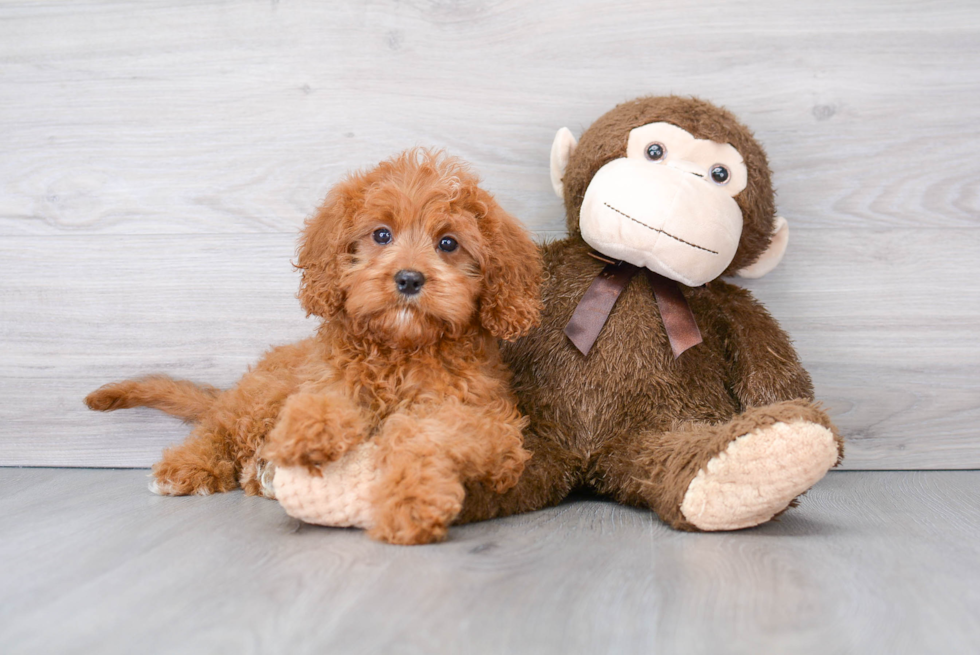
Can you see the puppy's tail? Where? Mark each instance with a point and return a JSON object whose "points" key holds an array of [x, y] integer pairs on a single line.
{"points": [[180, 398]]}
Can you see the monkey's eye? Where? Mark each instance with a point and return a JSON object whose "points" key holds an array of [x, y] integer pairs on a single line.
{"points": [[382, 236], [656, 151], [448, 244], [720, 174]]}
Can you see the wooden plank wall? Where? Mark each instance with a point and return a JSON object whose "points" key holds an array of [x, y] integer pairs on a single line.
{"points": [[158, 158]]}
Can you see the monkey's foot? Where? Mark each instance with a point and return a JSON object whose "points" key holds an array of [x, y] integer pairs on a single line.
{"points": [[758, 475]]}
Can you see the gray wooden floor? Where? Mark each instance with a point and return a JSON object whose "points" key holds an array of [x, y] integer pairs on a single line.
{"points": [[871, 562]]}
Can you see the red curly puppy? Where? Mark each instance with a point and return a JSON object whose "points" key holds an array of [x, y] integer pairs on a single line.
{"points": [[416, 272]]}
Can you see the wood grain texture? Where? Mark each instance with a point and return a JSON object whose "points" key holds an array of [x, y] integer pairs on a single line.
{"points": [[900, 382], [159, 158], [871, 562]]}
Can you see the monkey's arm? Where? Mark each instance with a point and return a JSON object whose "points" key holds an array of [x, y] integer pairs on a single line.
{"points": [[764, 365]]}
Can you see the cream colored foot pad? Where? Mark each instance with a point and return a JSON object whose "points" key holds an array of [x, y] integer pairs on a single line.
{"points": [[758, 475]]}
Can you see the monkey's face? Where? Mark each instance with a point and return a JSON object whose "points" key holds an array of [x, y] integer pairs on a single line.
{"points": [[673, 184], [668, 205]]}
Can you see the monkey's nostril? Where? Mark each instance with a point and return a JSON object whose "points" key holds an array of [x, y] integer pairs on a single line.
{"points": [[409, 282]]}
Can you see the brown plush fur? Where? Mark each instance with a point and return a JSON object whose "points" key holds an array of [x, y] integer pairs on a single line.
{"points": [[629, 420], [421, 375]]}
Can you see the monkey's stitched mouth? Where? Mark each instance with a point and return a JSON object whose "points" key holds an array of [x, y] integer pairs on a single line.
{"points": [[686, 243]]}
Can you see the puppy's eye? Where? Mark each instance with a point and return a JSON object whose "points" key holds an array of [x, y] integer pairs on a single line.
{"points": [[448, 244], [382, 236]]}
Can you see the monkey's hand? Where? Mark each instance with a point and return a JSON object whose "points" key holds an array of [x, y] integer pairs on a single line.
{"points": [[764, 366]]}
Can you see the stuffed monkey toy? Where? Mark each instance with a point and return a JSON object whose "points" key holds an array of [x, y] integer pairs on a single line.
{"points": [[650, 379]]}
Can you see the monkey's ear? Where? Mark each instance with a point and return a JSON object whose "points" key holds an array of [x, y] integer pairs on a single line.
{"points": [[773, 254], [561, 151]]}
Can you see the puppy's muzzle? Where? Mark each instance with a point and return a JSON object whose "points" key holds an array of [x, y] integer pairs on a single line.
{"points": [[409, 282]]}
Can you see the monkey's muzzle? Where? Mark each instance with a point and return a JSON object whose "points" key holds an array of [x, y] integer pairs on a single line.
{"points": [[669, 219]]}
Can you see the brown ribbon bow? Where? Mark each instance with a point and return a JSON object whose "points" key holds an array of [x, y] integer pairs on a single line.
{"points": [[593, 310]]}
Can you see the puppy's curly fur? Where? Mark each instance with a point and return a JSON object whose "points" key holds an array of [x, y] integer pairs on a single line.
{"points": [[419, 373]]}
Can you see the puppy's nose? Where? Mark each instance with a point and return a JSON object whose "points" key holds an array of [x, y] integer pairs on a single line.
{"points": [[409, 282]]}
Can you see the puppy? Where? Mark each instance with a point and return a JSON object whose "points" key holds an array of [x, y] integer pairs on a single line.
{"points": [[416, 272]]}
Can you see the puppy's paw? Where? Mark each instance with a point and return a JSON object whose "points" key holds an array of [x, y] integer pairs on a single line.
{"points": [[509, 470], [314, 430], [169, 479], [160, 489], [415, 521]]}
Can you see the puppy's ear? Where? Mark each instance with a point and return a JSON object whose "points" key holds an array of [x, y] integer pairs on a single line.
{"points": [[511, 304], [323, 247]]}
